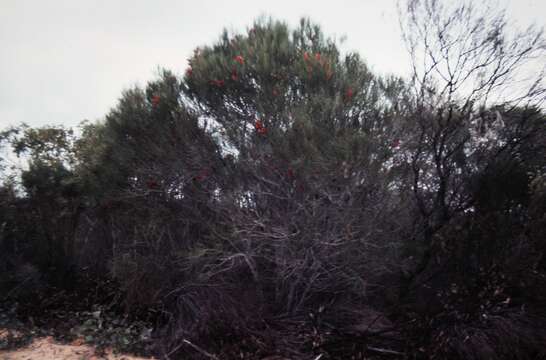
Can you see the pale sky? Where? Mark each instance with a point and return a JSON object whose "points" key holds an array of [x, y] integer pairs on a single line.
{"points": [[63, 61]]}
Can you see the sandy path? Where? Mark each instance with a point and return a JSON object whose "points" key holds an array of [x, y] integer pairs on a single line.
{"points": [[49, 349]]}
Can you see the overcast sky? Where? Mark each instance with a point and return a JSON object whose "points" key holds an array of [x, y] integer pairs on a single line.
{"points": [[65, 61]]}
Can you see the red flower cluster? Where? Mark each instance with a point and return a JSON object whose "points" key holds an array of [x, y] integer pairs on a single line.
{"points": [[152, 184], [239, 59], [203, 174], [349, 94], [319, 61], [218, 83], [155, 100], [307, 57], [259, 126], [290, 173]]}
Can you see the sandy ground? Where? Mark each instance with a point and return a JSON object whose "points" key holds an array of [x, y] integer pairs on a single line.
{"points": [[49, 349]]}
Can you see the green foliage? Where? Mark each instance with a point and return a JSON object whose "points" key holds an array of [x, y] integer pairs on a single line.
{"points": [[148, 130], [289, 82], [47, 144]]}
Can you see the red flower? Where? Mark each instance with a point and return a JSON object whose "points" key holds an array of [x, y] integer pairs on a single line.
{"points": [[152, 184], [106, 204], [234, 75], [218, 83], [239, 59], [290, 172], [189, 72], [306, 56], [202, 175], [155, 100], [259, 126], [349, 93], [317, 56]]}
